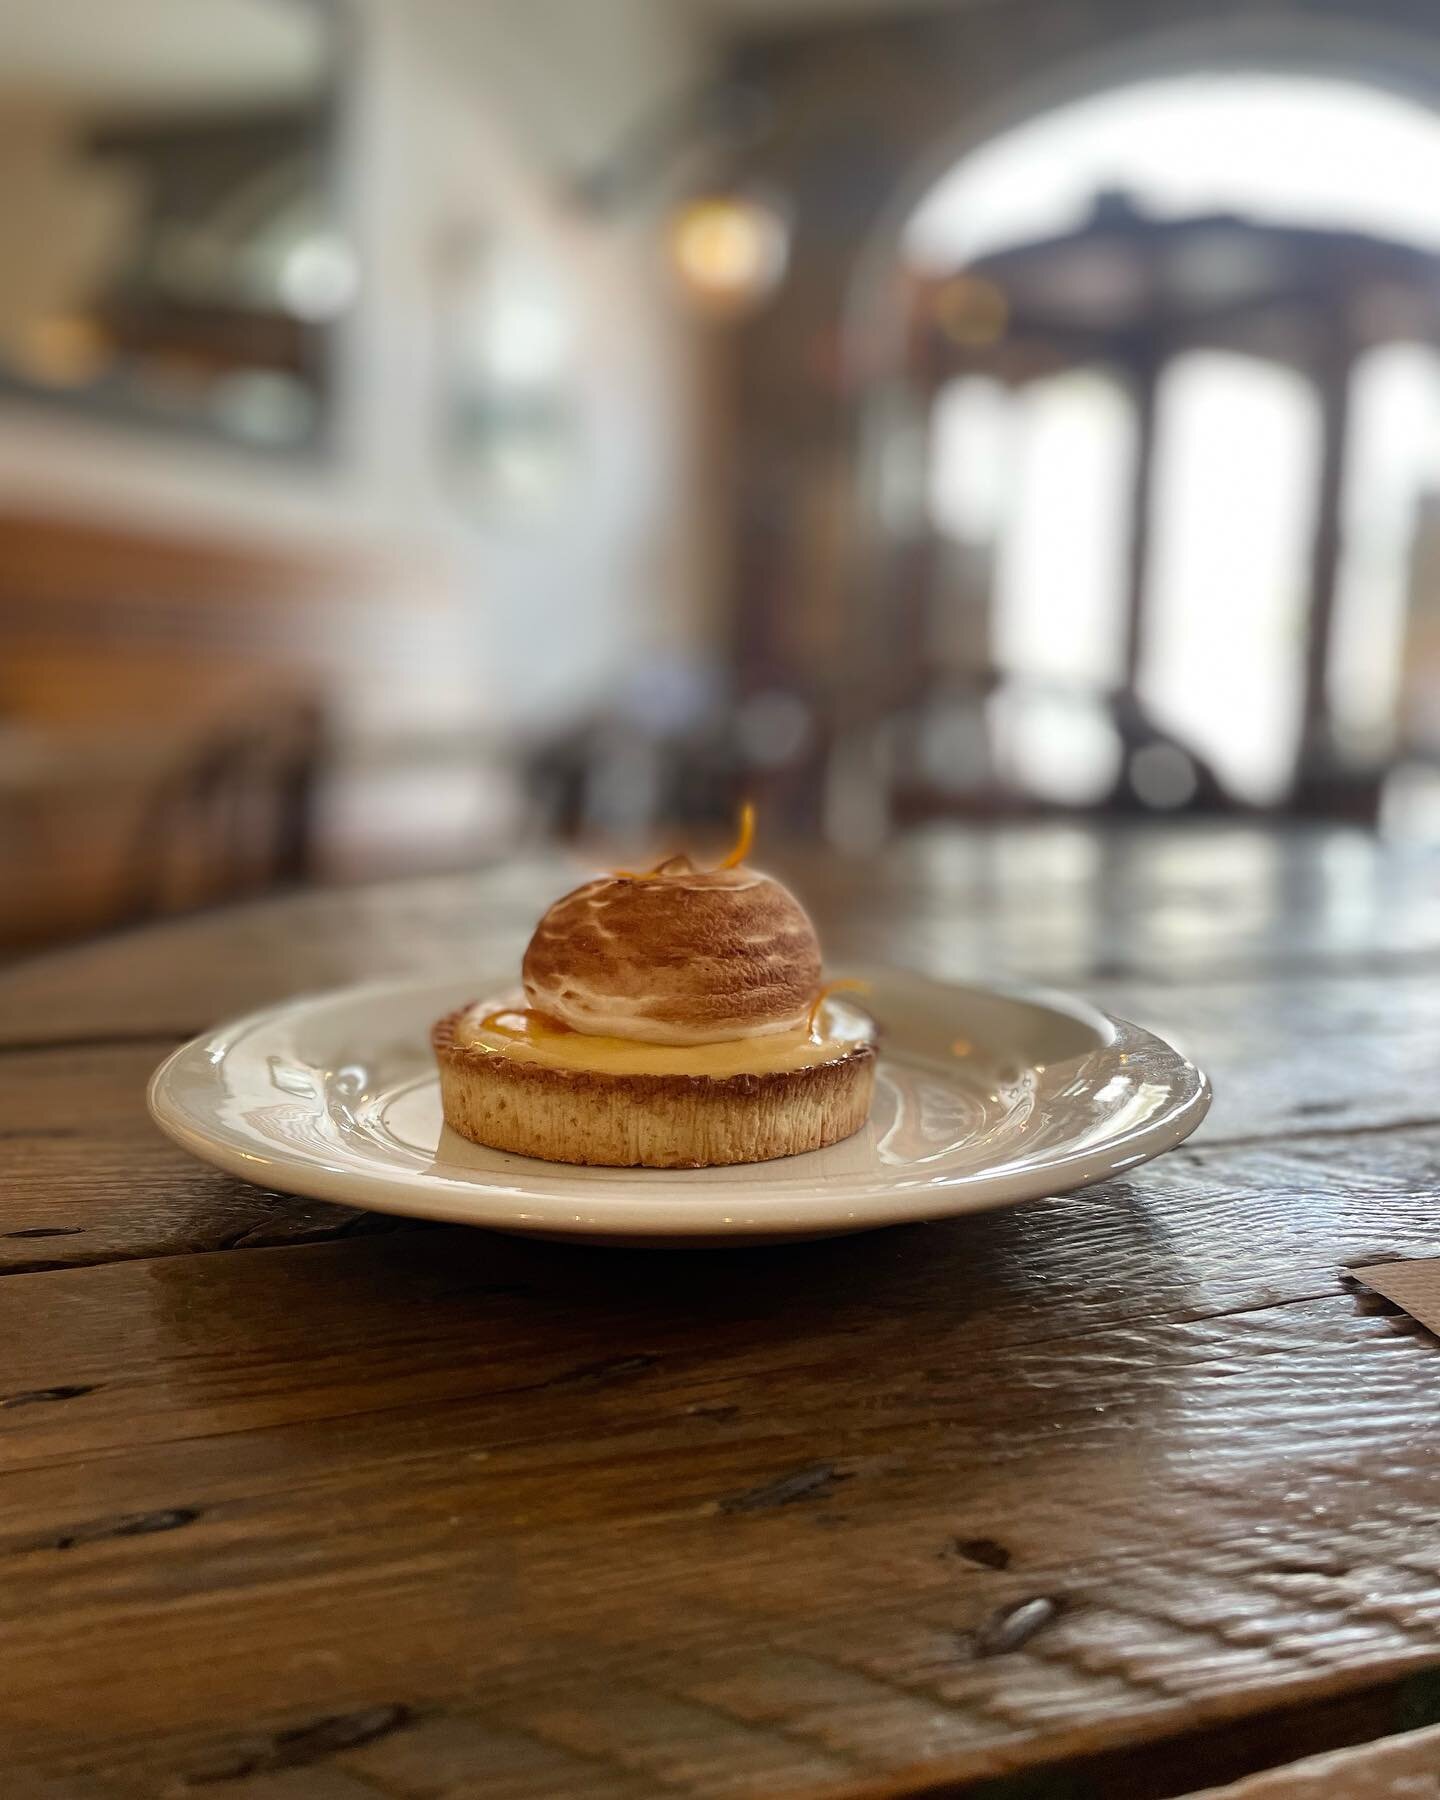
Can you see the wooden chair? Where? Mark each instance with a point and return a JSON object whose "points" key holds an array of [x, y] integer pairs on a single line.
{"points": [[235, 818]]}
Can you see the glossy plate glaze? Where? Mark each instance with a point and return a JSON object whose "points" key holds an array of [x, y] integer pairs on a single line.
{"points": [[984, 1097]]}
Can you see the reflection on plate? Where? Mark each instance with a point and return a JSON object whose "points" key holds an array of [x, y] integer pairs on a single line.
{"points": [[984, 1097]]}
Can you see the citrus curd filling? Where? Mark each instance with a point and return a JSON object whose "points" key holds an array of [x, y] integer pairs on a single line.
{"points": [[506, 1029]]}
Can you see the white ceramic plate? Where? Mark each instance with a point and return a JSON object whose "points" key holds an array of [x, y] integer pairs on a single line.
{"points": [[984, 1097]]}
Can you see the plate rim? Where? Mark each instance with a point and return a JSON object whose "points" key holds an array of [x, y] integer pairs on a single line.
{"points": [[620, 1215]]}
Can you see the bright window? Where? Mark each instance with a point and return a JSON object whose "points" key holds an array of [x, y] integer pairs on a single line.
{"points": [[1394, 458], [1237, 464]]}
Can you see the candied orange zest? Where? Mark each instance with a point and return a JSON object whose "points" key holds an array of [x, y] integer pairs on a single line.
{"points": [[743, 841], [846, 985], [528, 1017]]}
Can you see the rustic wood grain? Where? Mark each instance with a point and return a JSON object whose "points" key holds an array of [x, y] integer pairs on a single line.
{"points": [[85, 1177], [1180, 1247], [1100, 1495], [308, 1482]]}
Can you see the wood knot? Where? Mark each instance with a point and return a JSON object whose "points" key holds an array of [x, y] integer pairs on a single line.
{"points": [[126, 1525], [813, 1482], [984, 1552], [41, 1396], [601, 1374], [307, 1744]]}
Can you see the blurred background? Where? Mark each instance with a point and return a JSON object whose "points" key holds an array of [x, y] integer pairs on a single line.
{"points": [[431, 429]]}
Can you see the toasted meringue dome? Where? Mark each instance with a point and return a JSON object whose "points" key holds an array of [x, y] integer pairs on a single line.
{"points": [[684, 956]]}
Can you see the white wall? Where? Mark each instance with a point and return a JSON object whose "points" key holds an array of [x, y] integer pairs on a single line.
{"points": [[466, 119], [461, 145]]}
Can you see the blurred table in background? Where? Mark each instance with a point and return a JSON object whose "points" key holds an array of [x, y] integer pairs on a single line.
{"points": [[159, 725], [111, 823], [1117, 1495], [163, 697]]}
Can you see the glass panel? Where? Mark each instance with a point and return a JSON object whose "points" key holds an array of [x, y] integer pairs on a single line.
{"points": [[1060, 575], [971, 454], [1394, 457], [1236, 472], [166, 231]]}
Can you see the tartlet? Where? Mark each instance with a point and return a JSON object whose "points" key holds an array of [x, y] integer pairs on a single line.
{"points": [[674, 1019]]}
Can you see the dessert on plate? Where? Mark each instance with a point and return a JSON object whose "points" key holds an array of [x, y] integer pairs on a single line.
{"points": [[670, 1019]]}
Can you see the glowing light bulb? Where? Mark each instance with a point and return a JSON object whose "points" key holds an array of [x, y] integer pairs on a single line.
{"points": [[730, 250]]}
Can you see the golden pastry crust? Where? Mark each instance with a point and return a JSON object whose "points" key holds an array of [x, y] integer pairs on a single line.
{"points": [[648, 1121], [681, 957]]}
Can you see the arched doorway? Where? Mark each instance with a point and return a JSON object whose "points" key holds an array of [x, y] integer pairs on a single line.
{"points": [[1190, 293]]}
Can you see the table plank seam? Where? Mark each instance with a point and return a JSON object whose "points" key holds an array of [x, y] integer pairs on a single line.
{"points": [[301, 1241], [1421, 1122], [1194, 1158], [785, 1729], [1144, 1737], [569, 1378], [103, 1040]]}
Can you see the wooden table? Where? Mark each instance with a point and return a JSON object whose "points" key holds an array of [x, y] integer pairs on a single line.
{"points": [[1406, 1767], [1122, 1494]]}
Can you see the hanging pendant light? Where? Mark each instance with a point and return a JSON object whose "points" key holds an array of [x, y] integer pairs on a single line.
{"points": [[729, 250]]}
